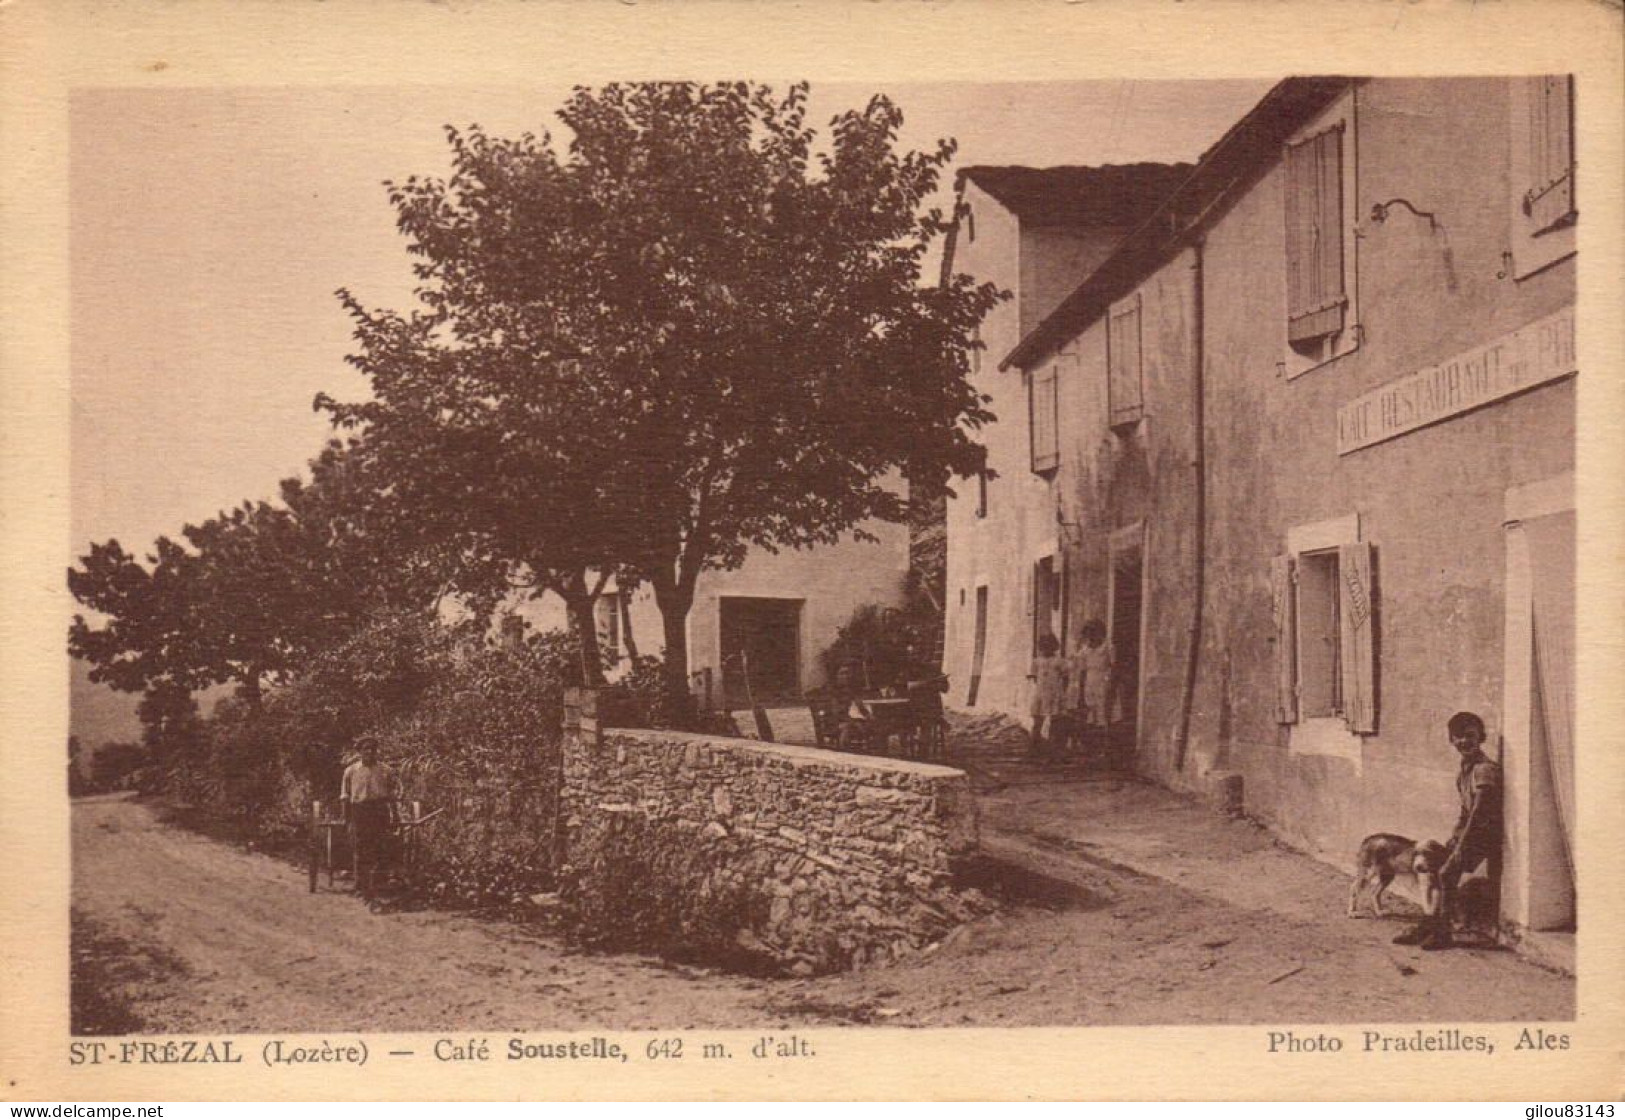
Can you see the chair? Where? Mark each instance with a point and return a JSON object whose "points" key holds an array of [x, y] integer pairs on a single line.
{"points": [[928, 728], [826, 720]]}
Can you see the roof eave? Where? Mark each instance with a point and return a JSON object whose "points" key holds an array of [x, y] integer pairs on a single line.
{"points": [[1237, 157]]}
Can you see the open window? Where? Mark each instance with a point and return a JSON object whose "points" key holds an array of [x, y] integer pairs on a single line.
{"points": [[1325, 621]]}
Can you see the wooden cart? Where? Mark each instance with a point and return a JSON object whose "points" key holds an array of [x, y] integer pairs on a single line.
{"points": [[407, 820]]}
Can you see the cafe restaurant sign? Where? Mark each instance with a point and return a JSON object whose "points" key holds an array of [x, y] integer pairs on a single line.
{"points": [[1540, 352]]}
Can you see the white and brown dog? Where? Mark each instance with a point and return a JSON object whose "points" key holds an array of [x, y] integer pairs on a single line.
{"points": [[1384, 857]]}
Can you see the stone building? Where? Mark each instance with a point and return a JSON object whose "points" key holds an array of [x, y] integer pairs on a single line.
{"points": [[775, 614], [1304, 441], [1036, 233]]}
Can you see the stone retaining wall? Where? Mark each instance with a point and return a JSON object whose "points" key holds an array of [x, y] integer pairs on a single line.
{"points": [[807, 860]]}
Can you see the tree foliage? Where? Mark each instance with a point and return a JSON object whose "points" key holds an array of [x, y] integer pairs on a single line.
{"points": [[688, 333], [247, 596]]}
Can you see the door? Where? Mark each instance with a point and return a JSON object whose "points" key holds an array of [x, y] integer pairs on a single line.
{"points": [[1551, 550], [1537, 887], [1123, 635], [761, 650]]}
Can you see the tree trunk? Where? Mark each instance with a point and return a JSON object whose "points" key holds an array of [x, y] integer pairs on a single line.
{"points": [[624, 604], [578, 603], [675, 600]]}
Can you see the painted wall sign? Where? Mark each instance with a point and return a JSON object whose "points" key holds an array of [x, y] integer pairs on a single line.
{"points": [[1542, 351]]}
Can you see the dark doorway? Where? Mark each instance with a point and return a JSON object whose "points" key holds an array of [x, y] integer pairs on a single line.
{"points": [[1124, 637], [761, 637]]}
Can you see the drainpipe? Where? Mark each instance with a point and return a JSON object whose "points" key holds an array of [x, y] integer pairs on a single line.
{"points": [[1193, 656]]}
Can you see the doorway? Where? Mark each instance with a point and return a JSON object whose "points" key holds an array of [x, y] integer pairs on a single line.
{"points": [[1538, 889], [1550, 544], [761, 650], [1125, 615]]}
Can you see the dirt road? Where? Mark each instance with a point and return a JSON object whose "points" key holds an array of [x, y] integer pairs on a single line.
{"points": [[216, 939], [1125, 905]]}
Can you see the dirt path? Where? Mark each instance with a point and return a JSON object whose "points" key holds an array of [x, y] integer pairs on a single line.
{"points": [[1125, 905], [232, 941]]}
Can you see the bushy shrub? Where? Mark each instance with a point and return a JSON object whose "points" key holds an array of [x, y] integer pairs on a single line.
{"points": [[640, 699], [470, 730], [483, 747], [875, 642]]}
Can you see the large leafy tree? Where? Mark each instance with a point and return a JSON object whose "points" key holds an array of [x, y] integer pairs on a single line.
{"points": [[246, 596], [692, 332]]}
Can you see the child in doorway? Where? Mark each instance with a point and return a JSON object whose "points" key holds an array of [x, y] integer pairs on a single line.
{"points": [[1094, 668], [1049, 694]]}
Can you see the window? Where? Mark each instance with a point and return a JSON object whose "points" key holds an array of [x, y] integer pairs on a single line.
{"points": [[513, 631], [1043, 408], [1325, 622], [1542, 201], [1124, 365], [976, 352], [981, 492], [1320, 691], [1317, 298], [1320, 211], [607, 614], [979, 652]]}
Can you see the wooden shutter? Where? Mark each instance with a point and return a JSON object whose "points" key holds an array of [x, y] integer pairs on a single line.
{"points": [[1064, 594], [1316, 298], [1286, 644], [1124, 363], [1550, 197], [979, 651], [1357, 617], [1043, 408]]}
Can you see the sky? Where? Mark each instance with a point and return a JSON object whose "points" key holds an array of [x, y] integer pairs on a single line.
{"points": [[210, 228]]}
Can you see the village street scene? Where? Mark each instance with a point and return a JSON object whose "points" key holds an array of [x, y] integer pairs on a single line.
{"points": [[1071, 554]]}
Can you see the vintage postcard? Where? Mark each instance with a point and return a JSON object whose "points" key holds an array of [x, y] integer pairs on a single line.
{"points": [[812, 552]]}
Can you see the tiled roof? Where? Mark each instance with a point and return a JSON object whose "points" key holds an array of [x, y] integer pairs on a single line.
{"points": [[1117, 194]]}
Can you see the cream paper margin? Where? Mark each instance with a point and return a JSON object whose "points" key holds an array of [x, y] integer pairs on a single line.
{"points": [[47, 48]]}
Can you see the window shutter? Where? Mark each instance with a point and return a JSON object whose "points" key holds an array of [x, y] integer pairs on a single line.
{"points": [[1043, 408], [1124, 364], [1550, 198], [1314, 236], [1286, 645], [1358, 618], [1064, 595]]}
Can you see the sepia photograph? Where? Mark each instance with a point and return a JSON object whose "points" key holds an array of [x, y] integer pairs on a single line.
{"points": [[705, 568], [810, 555]]}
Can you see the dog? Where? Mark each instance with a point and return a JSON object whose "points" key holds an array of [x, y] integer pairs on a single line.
{"points": [[1383, 857]]}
